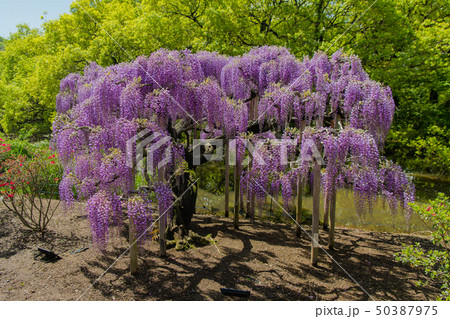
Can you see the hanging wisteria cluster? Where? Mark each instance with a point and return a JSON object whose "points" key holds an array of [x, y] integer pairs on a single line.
{"points": [[179, 94], [140, 213]]}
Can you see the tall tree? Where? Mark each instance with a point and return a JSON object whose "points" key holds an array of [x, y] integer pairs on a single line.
{"points": [[171, 94], [401, 43]]}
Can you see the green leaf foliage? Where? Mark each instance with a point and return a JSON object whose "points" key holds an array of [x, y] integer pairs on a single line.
{"points": [[404, 44], [434, 262]]}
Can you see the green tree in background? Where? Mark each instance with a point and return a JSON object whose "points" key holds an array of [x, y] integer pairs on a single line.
{"points": [[403, 43], [421, 84]]}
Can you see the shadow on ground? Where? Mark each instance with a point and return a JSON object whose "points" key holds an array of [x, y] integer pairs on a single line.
{"points": [[268, 260]]}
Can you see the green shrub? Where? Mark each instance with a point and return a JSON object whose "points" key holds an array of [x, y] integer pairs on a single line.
{"points": [[434, 262]]}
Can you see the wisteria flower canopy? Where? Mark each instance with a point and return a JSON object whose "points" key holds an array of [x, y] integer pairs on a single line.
{"points": [[183, 95]]}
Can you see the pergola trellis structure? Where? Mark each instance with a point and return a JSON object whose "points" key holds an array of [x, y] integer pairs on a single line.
{"points": [[178, 96]]}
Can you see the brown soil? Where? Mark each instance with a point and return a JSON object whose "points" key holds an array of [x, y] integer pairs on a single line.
{"points": [[265, 258]]}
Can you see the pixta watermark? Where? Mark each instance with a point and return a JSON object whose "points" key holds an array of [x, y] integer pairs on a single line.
{"points": [[143, 148]]}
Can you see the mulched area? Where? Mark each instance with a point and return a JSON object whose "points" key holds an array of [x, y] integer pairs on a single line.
{"points": [[265, 258]]}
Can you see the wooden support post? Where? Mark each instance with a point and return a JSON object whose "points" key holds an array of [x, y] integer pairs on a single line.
{"points": [[271, 205], [133, 250], [162, 220], [131, 230], [332, 221], [252, 206], [237, 199], [250, 198], [299, 204], [227, 177], [326, 214], [247, 208], [315, 215], [260, 210], [298, 215], [331, 209]]}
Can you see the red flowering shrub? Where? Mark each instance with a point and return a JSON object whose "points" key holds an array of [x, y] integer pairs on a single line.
{"points": [[4, 150], [29, 185]]}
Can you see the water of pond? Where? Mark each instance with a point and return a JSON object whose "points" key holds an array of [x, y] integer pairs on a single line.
{"points": [[381, 219]]}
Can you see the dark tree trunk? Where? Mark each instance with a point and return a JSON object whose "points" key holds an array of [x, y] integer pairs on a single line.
{"points": [[184, 207], [318, 33]]}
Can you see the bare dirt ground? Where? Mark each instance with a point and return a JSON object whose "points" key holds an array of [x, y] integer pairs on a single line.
{"points": [[265, 258]]}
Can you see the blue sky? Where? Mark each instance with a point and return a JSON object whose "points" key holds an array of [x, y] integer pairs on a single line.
{"points": [[14, 12]]}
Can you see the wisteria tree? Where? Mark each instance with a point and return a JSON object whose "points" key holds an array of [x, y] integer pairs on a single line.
{"points": [[326, 104]]}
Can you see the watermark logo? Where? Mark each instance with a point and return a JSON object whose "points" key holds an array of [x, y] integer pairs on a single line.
{"points": [[150, 143], [309, 153], [148, 148], [205, 150], [209, 149]]}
